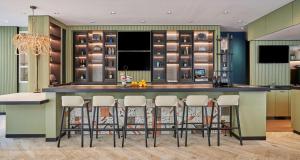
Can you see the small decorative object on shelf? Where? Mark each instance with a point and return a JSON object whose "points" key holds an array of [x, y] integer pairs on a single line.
{"points": [[225, 68], [159, 56]]}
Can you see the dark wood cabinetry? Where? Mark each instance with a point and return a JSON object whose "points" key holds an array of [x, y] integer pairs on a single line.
{"points": [[176, 56], [95, 56]]}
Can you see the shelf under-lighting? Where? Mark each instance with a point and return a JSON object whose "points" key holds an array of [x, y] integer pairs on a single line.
{"points": [[158, 45], [203, 64], [93, 44], [81, 57], [203, 43]]}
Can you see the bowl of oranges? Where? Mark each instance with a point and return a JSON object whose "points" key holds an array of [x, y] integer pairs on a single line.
{"points": [[141, 83]]}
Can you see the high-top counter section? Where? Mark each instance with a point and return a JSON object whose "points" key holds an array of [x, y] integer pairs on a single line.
{"points": [[252, 101], [154, 88]]}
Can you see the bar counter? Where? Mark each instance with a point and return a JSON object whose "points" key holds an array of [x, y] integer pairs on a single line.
{"points": [[252, 106], [154, 88]]}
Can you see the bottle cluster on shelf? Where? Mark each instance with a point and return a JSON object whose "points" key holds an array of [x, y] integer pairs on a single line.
{"points": [[55, 54], [95, 56], [182, 56]]}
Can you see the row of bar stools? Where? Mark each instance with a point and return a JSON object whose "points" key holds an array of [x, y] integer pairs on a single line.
{"points": [[105, 101], [231, 101], [166, 101], [70, 102], [135, 102], [195, 101]]}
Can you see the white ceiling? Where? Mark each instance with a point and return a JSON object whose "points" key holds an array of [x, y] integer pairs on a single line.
{"points": [[291, 33], [191, 12]]}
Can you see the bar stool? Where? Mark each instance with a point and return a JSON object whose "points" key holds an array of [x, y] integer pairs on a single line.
{"points": [[166, 101], [105, 101], [231, 101], [135, 102], [195, 101], [70, 102]]}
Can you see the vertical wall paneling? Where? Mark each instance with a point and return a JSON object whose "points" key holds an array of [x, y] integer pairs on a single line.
{"points": [[8, 62], [266, 74]]}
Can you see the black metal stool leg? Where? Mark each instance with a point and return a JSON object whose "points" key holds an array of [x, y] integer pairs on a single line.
{"points": [[61, 125], [211, 121], [230, 120], [117, 118], [155, 125], [176, 125], [93, 126], [69, 119], [97, 122], [182, 120], [238, 123], [207, 126], [82, 122], [153, 121], [114, 127], [146, 126], [186, 124], [89, 120], [125, 126], [202, 112], [218, 123]]}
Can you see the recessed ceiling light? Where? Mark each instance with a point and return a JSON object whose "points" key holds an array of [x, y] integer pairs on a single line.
{"points": [[169, 12], [142, 21], [226, 12], [240, 21], [242, 28], [113, 12]]}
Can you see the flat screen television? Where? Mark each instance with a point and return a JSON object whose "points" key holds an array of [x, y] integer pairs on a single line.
{"points": [[134, 61], [134, 41], [273, 54]]}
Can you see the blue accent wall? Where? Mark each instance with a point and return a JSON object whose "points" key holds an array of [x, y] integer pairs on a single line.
{"points": [[238, 46]]}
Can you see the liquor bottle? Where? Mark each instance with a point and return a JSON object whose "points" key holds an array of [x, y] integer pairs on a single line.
{"points": [[158, 76], [82, 77], [82, 52], [109, 51], [51, 58], [157, 64], [186, 50], [110, 76], [112, 51]]}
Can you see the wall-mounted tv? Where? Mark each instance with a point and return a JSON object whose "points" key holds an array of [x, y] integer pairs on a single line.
{"points": [[134, 61], [134, 41], [273, 54]]}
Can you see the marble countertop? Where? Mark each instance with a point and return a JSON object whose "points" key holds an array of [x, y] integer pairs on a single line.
{"points": [[23, 98]]}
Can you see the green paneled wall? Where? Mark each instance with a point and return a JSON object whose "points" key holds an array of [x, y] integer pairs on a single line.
{"points": [[70, 29], [266, 74], [283, 17], [8, 62]]}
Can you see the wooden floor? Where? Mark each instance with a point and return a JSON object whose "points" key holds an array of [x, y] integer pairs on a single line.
{"points": [[279, 145], [279, 126]]}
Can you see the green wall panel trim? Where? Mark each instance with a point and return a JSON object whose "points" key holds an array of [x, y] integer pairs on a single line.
{"points": [[8, 62], [257, 28], [71, 29], [266, 74], [296, 12], [281, 18]]}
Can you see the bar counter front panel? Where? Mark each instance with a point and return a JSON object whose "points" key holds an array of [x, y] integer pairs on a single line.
{"points": [[252, 103]]}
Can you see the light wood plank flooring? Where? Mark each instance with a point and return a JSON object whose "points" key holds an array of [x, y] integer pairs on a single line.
{"points": [[279, 145]]}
